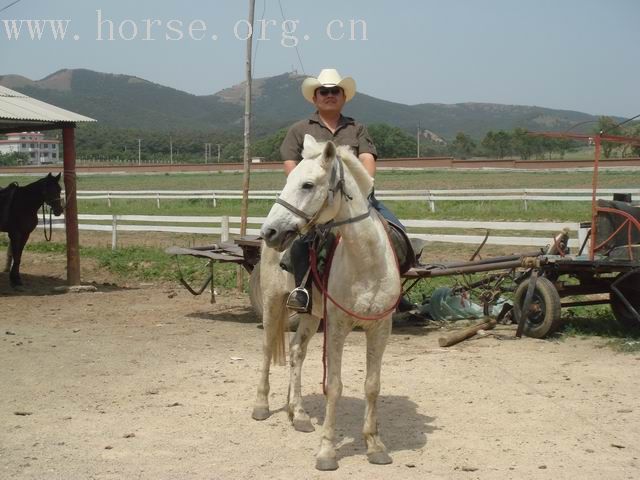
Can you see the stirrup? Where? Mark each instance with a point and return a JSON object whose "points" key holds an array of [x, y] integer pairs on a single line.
{"points": [[292, 302]]}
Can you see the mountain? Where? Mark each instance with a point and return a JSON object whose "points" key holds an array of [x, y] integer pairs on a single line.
{"points": [[125, 101]]}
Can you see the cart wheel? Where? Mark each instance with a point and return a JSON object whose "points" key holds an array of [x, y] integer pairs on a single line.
{"points": [[631, 290], [544, 312], [255, 295]]}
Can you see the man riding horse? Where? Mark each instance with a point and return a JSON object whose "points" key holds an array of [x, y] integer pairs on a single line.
{"points": [[328, 93]]}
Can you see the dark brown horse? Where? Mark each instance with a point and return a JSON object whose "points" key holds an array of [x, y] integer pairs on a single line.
{"points": [[19, 216]]}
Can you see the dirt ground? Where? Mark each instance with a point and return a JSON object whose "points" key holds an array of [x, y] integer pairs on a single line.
{"points": [[145, 381]]}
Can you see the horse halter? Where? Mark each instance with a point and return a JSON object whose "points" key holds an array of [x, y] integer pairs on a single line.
{"points": [[337, 182]]}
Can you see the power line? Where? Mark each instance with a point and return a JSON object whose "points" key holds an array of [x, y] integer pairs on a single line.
{"points": [[296, 47], [255, 55], [10, 5]]}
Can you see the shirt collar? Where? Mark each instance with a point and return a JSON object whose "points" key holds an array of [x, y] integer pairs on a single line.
{"points": [[315, 118]]}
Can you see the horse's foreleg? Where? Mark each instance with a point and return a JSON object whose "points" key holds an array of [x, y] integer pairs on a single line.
{"points": [[274, 318], [297, 353], [377, 337], [9, 260], [336, 334]]}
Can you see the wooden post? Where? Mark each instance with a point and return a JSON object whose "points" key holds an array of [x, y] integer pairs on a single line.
{"points": [[247, 141], [71, 206], [114, 233], [224, 234]]}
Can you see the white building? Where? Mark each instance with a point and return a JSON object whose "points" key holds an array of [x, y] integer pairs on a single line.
{"points": [[39, 149]]}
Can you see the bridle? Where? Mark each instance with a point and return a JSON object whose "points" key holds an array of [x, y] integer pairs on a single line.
{"points": [[338, 186]]}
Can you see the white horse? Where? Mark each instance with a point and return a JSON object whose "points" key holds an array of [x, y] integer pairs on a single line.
{"points": [[329, 187]]}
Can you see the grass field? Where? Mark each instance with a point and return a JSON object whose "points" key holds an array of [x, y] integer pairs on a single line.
{"points": [[385, 180]]}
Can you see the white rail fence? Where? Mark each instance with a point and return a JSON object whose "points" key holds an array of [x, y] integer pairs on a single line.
{"points": [[225, 227], [524, 195]]}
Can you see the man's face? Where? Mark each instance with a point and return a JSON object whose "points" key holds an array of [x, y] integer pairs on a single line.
{"points": [[329, 99]]}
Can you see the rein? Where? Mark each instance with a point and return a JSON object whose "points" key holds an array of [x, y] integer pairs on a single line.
{"points": [[44, 223]]}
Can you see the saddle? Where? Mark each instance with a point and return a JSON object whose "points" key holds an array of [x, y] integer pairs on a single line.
{"points": [[6, 198], [408, 251]]}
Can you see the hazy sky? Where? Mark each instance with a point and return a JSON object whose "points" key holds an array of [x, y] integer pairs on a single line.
{"points": [[577, 55]]}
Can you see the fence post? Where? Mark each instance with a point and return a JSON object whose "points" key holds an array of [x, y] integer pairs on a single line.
{"points": [[213, 197], [432, 203], [109, 199], [114, 233], [524, 198], [224, 233], [158, 200]]}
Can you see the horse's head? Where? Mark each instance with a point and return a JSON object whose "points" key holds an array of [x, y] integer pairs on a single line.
{"points": [[51, 191], [307, 198]]}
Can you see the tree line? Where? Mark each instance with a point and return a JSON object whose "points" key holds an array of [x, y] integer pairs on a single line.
{"points": [[121, 144]]}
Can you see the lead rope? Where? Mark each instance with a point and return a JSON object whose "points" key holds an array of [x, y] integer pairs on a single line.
{"points": [[44, 224]]}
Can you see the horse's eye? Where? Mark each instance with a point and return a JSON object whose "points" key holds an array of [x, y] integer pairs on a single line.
{"points": [[307, 186]]}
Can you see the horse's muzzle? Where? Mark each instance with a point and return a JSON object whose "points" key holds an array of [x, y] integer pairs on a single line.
{"points": [[277, 239]]}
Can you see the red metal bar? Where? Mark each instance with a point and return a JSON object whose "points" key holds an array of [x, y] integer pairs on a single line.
{"points": [[71, 206], [594, 206]]}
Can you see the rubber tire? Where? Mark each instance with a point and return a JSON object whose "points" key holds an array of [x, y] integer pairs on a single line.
{"points": [[546, 297], [255, 294], [631, 290]]}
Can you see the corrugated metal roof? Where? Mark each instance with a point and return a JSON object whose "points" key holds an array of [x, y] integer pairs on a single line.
{"points": [[17, 106]]}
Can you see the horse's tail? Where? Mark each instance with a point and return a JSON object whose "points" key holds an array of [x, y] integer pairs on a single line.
{"points": [[274, 313]]}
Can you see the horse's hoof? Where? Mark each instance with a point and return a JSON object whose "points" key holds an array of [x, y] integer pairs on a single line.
{"points": [[303, 425], [379, 458], [326, 464], [260, 413]]}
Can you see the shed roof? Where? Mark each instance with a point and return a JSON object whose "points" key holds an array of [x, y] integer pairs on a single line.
{"points": [[19, 111]]}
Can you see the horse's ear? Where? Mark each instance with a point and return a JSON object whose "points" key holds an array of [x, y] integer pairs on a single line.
{"points": [[49, 175], [58, 176], [329, 153], [309, 142]]}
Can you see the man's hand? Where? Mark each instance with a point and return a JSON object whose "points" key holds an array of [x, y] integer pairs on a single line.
{"points": [[289, 165], [369, 163]]}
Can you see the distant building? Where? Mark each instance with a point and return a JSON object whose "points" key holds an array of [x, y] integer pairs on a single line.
{"points": [[40, 150]]}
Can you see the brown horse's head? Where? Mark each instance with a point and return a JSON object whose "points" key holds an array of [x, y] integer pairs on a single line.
{"points": [[51, 193]]}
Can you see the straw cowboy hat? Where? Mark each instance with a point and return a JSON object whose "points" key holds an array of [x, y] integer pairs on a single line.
{"points": [[328, 77]]}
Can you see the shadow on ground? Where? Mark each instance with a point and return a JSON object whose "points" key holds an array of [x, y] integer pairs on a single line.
{"points": [[43, 285], [400, 424]]}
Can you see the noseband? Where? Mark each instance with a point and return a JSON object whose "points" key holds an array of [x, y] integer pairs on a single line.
{"points": [[337, 182]]}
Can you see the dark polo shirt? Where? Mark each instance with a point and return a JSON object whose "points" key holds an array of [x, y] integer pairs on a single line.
{"points": [[349, 132]]}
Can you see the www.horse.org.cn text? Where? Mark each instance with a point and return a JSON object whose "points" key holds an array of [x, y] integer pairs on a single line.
{"points": [[289, 32]]}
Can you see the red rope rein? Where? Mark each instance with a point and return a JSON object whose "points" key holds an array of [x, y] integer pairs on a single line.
{"points": [[322, 285]]}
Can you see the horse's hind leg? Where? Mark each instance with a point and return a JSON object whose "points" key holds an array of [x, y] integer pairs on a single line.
{"points": [[297, 353], [377, 337], [17, 243], [273, 320]]}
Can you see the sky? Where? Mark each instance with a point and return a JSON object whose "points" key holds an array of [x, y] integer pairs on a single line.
{"points": [[566, 54]]}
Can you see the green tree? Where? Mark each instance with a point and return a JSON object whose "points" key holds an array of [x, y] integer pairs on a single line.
{"points": [[392, 142], [497, 144], [463, 146], [609, 126], [13, 158], [269, 147]]}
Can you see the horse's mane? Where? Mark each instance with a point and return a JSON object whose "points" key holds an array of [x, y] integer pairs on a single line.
{"points": [[360, 174], [353, 164]]}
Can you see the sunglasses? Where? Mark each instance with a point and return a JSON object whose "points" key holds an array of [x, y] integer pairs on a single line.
{"points": [[324, 91]]}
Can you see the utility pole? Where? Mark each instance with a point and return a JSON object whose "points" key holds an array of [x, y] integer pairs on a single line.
{"points": [[170, 150], [418, 143], [139, 151], [244, 210], [218, 153]]}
